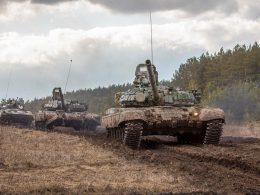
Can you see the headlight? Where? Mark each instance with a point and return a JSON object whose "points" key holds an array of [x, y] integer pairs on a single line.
{"points": [[195, 114]]}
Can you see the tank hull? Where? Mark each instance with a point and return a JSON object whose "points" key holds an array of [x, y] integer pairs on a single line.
{"points": [[51, 119], [164, 120], [163, 117], [16, 117]]}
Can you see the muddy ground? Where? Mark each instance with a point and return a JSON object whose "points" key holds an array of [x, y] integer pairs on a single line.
{"points": [[33, 162]]}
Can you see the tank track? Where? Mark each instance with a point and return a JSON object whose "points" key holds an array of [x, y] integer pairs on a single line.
{"points": [[116, 133], [213, 133], [18, 121], [130, 135]]}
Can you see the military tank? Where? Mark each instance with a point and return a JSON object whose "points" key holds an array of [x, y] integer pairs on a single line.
{"points": [[12, 112], [153, 109], [67, 113]]}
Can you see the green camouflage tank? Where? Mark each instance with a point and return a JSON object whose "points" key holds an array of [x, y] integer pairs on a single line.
{"points": [[61, 112], [12, 112], [153, 109]]}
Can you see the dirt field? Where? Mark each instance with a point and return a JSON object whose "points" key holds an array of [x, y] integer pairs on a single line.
{"points": [[33, 162]]}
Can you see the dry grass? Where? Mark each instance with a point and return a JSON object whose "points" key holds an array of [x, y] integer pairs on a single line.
{"points": [[36, 162], [41, 162]]}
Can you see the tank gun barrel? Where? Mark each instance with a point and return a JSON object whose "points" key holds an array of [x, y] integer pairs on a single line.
{"points": [[152, 80]]}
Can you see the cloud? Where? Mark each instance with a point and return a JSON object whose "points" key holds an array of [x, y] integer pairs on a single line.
{"points": [[51, 1], [103, 56], [140, 6], [4, 3], [35, 50], [179, 8], [250, 9], [25, 12], [194, 7]]}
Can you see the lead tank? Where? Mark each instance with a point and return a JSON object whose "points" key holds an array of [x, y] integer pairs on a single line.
{"points": [[61, 112], [153, 109], [12, 112]]}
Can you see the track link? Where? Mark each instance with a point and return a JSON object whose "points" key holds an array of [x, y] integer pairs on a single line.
{"points": [[132, 134], [116, 133], [213, 132]]}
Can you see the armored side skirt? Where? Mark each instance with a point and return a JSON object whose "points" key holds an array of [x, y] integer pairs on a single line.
{"points": [[13, 119]]}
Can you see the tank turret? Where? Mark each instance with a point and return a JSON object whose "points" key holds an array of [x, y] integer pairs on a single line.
{"points": [[148, 92], [57, 95], [59, 103], [12, 104]]}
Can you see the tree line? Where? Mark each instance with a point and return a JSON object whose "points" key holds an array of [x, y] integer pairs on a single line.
{"points": [[228, 79]]}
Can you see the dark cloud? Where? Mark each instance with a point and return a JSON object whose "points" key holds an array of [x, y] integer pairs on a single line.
{"points": [[195, 6], [250, 8], [50, 1], [139, 6]]}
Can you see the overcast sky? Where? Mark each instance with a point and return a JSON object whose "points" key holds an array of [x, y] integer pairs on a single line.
{"points": [[107, 39]]}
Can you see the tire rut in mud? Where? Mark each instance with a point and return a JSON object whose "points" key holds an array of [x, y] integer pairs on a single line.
{"points": [[116, 145], [171, 151], [225, 162], [218, 173]]}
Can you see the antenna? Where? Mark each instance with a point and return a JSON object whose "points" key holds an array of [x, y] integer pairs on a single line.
{"points": [[9, 81], [151, 24], [68, 77]]}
